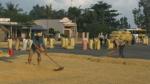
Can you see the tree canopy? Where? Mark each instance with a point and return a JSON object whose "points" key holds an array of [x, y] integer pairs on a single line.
{"points": [[142, 14], [99, 17]]}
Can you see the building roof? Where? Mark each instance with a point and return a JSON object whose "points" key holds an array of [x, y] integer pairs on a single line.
{"points": [[38, 27], [70, 24], [58, 23], [6, 21], [47, 23], [65, 20]]}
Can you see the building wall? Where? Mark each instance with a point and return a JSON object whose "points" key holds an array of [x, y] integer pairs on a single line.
{"points": [[51, 24], [66, 29], [3, 35]]}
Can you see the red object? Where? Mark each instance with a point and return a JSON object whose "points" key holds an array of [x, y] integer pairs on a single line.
{"points": [[11, 52]]}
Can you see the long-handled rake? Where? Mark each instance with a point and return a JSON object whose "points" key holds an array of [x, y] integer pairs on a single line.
{"points": [[58, 65]]}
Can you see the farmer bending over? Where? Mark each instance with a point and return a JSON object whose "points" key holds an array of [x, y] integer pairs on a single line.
{"points": [[122, 44], [37, 47]]}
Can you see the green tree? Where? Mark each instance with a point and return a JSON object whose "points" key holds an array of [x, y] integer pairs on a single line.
{"points": [[100, 8], [1, 10], [48, 11], [74, 13], [124, 22], [37, 12], [12, 11], [15, 13], [58, 14], [24, 18], [41, 12], [145, 4], [138, 17], [100, 18], [104, 13]]}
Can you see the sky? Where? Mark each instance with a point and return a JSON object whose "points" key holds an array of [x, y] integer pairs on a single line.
{"points": [[124, 7]]}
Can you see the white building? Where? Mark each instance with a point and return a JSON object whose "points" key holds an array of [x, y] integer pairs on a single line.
{"points": [[64, 26], [7, 28]]}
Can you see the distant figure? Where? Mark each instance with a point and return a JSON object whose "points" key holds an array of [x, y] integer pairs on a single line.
{"points": [[10, 46], [101, 37], [37, 47], [121, 48], [85, 38], [29, 43], [105, 39], [24, 47], [133, 40], [10, 43], [58, 36], [116, 43], [45, 40], [17, 47], [115, 47]]}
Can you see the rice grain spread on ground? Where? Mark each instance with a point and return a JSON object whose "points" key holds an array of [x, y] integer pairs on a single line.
{"points": [[79, 69]]}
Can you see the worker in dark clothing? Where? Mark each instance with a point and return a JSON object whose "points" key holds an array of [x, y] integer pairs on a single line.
{"points": [[115, 48], [121, 48], [37, 47], [133, 40]]}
